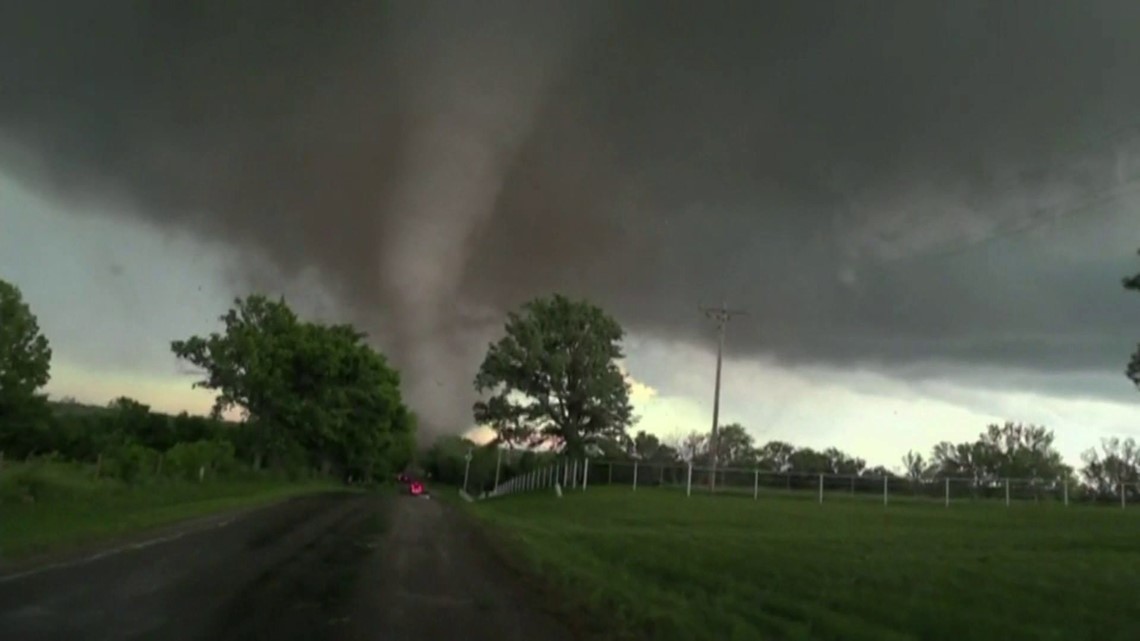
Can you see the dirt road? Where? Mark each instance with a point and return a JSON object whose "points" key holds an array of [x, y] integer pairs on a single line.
{"points": [[332, 567]]}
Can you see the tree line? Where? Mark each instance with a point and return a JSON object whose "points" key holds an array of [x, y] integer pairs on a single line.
{"points": [[1008, 451], [309, 397]]}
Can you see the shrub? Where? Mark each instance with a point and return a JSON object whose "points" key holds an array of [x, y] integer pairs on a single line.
{"points": [[215, 457], [130, 463], [39, 480]]}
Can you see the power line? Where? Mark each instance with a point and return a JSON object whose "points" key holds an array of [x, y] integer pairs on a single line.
{"points": [[1046, 216], [1043, 217], [721, 315]]}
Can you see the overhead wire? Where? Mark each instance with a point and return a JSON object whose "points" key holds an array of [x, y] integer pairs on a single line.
{"points": [[1039, 218]]}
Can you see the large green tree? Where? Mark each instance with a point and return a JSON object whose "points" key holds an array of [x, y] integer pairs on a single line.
{"points": [[1133, 371], [305, 386], [248, 365], [554, 376], [25, 367]]}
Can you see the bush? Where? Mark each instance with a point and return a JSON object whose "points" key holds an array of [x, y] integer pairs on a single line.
{"points": [[214, 457], [130, 463], [40, 480]]}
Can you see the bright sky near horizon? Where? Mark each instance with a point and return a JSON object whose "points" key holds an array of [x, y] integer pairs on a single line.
{"points": [[111, 296]]}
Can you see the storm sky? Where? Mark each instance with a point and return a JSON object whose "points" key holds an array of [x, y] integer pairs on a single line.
{"points": [[939, 193]]}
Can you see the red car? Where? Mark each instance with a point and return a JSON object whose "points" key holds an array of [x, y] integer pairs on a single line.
{"points": [[415, 488]]}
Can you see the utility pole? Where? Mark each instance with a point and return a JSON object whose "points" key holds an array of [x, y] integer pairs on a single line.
{"points": [[467, 468], [498, 461], [721, 315]]}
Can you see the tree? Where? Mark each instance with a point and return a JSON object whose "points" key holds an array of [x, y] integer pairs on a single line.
{"points": [[507, 420], [805, 460], [554, 376], [1133, 370], [650, 448], [776, 456], [694, 447], [878, 472], [1011, 450], [734, 446], [841, 462], [246, 363], [1118, 462], [132, 421], [305, 388], [915, 466], [25, 367]]}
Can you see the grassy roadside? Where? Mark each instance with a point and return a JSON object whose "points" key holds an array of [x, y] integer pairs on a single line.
{"points": [[74, 511], [655, 565]]}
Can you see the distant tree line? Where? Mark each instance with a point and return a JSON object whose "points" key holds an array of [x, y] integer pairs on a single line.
{"points": [[312, 398], [1008, 451]]}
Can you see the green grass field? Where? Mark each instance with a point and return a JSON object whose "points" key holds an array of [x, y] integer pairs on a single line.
{"points": [[657, 565], [75, 510]]}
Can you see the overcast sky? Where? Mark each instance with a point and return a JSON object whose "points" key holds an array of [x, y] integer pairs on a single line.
{"points": [[925, 207]]}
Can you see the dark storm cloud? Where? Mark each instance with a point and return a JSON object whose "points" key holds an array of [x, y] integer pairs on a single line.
{"points": [[877, 182]]}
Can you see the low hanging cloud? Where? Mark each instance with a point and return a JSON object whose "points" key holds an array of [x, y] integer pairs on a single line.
{"points": [[880, 184]]}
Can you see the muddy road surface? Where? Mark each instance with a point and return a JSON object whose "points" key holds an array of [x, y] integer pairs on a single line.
{"points": [[335, 566]]}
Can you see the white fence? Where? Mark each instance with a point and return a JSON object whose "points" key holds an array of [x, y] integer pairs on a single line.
{"points": [[580, 475]]}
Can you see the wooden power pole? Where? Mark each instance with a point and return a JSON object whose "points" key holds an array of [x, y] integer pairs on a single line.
{"points": [[721, 315]]}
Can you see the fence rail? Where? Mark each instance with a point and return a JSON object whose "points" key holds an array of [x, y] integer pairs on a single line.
{"points": [[570, 474]]}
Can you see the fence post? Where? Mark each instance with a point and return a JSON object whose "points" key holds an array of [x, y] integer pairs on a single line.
{"points": [[1123, 494], [756, 485], [1007, 492], [1066, 494], [821, 489], [585, 474], [635, 475], [947, 491], [689, 483], [885, 479]]}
